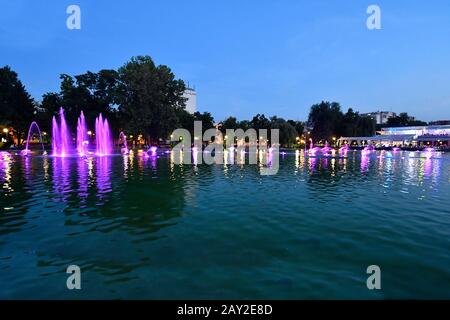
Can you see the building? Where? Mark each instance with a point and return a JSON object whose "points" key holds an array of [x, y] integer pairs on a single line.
{"points": [[418, 136], [439, 123], [380, 117], [191, 103]]}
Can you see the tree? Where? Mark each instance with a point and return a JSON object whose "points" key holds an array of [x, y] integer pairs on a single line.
{"points": [[404, 120], [326, 120], [229, 123], [185, 120], [17, 108], [288, 134], [366, 127], [260, 122], [298, 125], [148, 98], [49, 107], [206, 118]]}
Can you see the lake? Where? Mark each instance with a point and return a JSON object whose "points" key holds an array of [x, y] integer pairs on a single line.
{"points": [[150, 229]]}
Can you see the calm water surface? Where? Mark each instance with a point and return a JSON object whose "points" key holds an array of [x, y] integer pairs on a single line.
{"points": [[146, 228]]}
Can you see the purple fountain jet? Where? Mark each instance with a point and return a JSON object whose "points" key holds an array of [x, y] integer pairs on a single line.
{"points": [[60, 136], [103, 137]]}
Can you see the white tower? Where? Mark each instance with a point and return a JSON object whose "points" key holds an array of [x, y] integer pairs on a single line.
{"points": [[191, 103]]}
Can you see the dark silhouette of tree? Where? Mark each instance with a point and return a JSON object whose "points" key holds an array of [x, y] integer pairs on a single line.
{"points": [[326, 120], [298, 125], [287, 132], [17, 108], [148, 98], [404, 120], [229, 123], [206, 118]]}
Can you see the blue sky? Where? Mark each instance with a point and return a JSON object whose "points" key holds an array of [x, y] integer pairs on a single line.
{"points": [[247, 57]]}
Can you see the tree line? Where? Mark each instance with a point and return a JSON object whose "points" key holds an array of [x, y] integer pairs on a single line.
{"points": [[142, 98]]}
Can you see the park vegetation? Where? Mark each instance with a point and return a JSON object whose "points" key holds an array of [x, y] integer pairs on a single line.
{"points": [[146, 100]]}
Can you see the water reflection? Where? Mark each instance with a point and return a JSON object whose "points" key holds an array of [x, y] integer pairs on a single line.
{"points": [[83, 180], [365, 161], [142, 221], [103, 177], [61, 178]]}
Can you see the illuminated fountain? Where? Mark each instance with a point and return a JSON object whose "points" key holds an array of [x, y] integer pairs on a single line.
{"points": [[123, 141], [60, 136], [314, 151], [102, 137], [27, 151], [344, 149], [429, 152], [367, 150], [82, 136], [327, 149], [152, 151]]}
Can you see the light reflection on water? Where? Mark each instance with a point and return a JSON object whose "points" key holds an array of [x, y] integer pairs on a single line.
{"points": [[141, 227]]}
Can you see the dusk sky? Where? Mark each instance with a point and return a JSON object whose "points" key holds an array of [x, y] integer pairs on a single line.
{"points": [[247, 57]]}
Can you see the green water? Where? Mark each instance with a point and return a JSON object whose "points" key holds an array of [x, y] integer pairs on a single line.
{"points": [[149, 229]]}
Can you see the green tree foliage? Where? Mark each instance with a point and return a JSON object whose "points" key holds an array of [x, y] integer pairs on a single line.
{"points": [[355, 125], [230, 123], [206, 118], [326, 120], [404, 120], [148, 98], [92, 93], [17, 108], [288, 134], [298, 125], [260, 122]]}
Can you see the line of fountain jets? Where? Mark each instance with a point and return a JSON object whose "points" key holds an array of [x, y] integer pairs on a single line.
{"points": [[61, 138], [62, 146], [328, 151]]}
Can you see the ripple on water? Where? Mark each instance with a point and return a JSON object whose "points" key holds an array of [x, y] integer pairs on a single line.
{"points": [[146, 228]]}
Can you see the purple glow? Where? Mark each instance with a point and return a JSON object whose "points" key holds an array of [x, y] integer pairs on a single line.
{"points": [[343, 150], [103, 180], [27, 149], [60, 136], [152, 151], [429, 152], [396, 149], [326, 149], [123, 140], [364, 163], [314, 151], [4, 156], [367, 150], [82, 137], [102, 137]]}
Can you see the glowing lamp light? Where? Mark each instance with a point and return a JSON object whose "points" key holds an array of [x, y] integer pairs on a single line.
{"points": [[5, 130]]}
